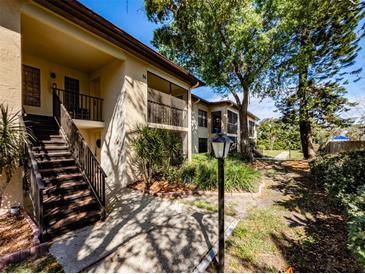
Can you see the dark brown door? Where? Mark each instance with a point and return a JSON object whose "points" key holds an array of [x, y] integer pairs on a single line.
{"points": [[71, 95]]}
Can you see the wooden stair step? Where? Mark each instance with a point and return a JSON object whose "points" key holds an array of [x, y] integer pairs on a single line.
{"points": [[64, 227], [59, 169], [52, 163], [52, 154], [61, 177], [61, 212], [73, 218], [66, 185], [79, 194], [46, 147]]}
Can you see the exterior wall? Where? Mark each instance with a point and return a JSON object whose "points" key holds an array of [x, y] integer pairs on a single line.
{"points": [[124, 89], [10, 83], [199, 132], [61, 71], [10, 54], [123, 85], [196, 131]]}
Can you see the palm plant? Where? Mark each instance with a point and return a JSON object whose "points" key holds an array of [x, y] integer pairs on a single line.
{"points": [[11, 143]]}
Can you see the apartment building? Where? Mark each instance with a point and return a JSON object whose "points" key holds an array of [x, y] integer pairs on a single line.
{"points": [[210, 118], [84, 86]]}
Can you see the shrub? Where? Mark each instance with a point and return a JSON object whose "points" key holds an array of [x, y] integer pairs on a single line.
{"points": [[157, 150], [343, 175], [12, 138], [202, 171]]}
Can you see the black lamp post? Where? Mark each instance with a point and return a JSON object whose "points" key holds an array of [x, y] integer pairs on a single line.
{"points": [[221, 145]]}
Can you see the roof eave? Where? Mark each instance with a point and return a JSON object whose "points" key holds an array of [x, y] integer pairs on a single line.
{"points": [[79, 14]]}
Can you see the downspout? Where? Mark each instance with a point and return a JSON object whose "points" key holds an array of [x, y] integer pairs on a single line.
{"points": [[190, 134]]}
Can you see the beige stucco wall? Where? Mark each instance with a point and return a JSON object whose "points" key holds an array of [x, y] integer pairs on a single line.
{"points": [[123, 85], [199, 132], [196, 131], [10, 82], [13, 191], [46, 68], [10, 54]]}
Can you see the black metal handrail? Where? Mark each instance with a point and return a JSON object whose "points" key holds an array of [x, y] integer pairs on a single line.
{"points": [[168, 115], [81, 106], [34, 182], [88, 163]]}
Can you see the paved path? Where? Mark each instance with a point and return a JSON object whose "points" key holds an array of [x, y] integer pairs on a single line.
{"points": [[282, 156], [144, 234]]}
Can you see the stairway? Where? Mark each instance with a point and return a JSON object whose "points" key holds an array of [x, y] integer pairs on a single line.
{"points": [[68, 201]]}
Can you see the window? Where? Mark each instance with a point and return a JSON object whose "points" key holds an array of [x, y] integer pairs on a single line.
{"points": [[251, 129], [203, 145], [232, 122], [216, 122], [31, 86], [202, 118]]}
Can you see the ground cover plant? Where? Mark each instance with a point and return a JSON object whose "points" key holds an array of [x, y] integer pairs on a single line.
{"points": [[202, 172], [45, 264], [343, 175]]}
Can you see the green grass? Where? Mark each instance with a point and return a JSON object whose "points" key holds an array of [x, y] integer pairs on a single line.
{"points": [[228, 210], [46, 264], [202, 171], [271, 153], [294, 154], [252, 236]]}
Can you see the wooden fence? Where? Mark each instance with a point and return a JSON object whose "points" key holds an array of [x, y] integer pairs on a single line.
{"points": [[335, 147]]}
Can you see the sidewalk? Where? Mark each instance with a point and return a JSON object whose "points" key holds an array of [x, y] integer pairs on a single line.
{"points": [[282, 156], [145, 234]]}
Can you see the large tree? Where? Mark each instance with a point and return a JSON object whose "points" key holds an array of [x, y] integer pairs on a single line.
{"points": [[324, 43], [233, 45]]}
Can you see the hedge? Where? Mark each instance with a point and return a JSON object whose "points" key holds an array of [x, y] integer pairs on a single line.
{"points": [[343, 175]]}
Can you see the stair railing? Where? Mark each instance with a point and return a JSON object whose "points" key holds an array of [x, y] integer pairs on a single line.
{"points": [[89, 165], [33, 181]]}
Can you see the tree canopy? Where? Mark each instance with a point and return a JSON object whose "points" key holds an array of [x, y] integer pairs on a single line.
{"points": [[323, 45], [232, 45]]}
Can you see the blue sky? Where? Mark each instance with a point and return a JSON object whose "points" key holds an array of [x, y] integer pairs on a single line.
{"points": [[129, 15]]}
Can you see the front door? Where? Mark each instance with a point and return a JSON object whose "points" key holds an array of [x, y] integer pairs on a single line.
{"points": [[71, 96]]}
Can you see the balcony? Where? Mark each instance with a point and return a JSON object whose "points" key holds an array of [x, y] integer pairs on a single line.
{"points": [[232, 128], [81, 106], [166, 109]]}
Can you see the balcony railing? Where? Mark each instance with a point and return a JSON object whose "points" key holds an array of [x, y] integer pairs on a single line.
{"points": [[92, 170], [81, 106], [167, 110], [232, 128]]}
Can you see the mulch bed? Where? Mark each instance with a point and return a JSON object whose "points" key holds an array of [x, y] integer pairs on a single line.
{"points": [[164, 187], [15, 233]]}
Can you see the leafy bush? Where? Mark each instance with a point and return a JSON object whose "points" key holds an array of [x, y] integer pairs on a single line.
{"points": [[202, 171], [12, 138], [157, 150], [343, 175]]}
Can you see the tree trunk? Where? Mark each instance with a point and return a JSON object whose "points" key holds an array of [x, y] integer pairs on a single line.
{"points": [[304, 119], [306, 139], [245, 147]]}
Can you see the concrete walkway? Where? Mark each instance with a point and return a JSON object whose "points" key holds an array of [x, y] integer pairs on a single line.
{"points": [[144, 234], [282, 156]]}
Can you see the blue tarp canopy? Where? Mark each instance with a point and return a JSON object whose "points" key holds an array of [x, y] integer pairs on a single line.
{"points": [[341, 138]]}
